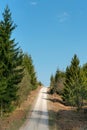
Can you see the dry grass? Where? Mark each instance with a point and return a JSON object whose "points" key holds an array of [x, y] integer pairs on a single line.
{"points": [[63, 117], [15, 119]]}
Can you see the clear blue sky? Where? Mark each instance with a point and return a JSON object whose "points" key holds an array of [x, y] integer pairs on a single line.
{"points": [[52, 31]]}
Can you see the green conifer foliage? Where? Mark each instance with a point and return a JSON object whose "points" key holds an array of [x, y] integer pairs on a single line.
{"points": [[56, 82], [28, 63], [11, 71], [74, 89]]}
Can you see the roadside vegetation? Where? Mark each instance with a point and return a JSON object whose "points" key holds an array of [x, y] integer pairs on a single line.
{"points": [[17, 72], [68, 92]]}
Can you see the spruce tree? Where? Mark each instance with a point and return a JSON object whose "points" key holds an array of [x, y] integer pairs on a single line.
{"points": [[28, 63], [59, 80], [52, 84], [10, 62], [72, 83], [75, 90], [51, 81], [84, 81], [56, 82]]}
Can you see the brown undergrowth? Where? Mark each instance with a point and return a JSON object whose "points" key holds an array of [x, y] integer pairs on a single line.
{"points": [[16, 119], [63, 117]]}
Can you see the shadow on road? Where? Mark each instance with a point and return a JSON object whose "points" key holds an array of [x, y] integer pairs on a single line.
{"points": [[40, 121], [45, 92], [55, 100], [40, 112], [41, 117]]}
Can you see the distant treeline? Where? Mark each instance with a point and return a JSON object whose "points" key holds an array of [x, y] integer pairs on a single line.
{"points": [[71, 84], [17, 72]]}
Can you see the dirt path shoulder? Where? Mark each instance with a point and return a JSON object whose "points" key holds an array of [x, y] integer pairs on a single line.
{"points": [[16, 119], [63, 117]]}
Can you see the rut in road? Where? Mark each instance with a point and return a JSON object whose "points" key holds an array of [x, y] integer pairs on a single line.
{"points": [[39, 117]]}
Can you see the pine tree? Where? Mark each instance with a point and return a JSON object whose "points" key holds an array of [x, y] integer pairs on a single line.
{"points": [[72, 82], [84, 81], [59, 79], [10, 62], [52, 84], [56, 82], [75, 84], [51, 81], [28, 63]]}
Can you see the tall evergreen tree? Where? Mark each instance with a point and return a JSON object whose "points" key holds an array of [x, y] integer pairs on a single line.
{"points": [[10, 62], [74, 86], [51, 81], [84, 81], [71, 81], [28, 63], [52, 84]]}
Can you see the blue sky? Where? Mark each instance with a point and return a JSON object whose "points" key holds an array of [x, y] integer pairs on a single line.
{"points": [[52, 31]]}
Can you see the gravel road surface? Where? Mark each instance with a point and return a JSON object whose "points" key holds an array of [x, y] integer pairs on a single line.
{"points": [[39, 116]]}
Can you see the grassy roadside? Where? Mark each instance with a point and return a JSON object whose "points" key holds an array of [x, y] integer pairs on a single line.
{"points": [[52, 124], [63, 117], [18, 117], [52, 115], [17, 123]]}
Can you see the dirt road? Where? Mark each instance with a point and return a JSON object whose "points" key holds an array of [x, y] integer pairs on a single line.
{"points": [[39, 117]]}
